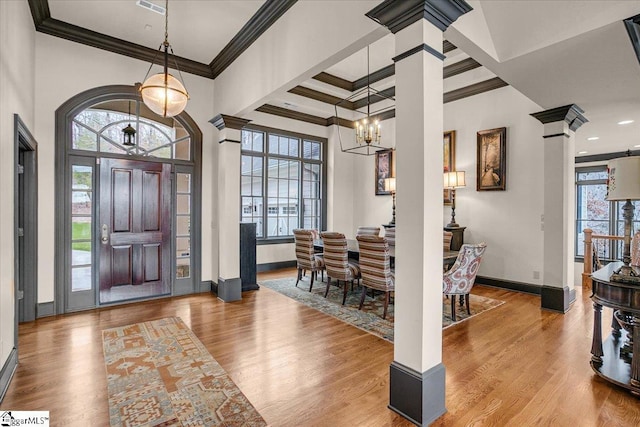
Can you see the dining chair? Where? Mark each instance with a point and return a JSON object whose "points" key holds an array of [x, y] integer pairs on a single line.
{"points": [[390, 235], [306, 257], [371, 231], [375, 268], [337, 263], [461, 276]]}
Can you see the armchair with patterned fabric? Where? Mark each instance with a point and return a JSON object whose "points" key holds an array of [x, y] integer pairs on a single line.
{"points": [[460, 278]]}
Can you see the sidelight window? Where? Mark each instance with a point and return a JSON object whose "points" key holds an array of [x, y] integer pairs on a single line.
{"points": [[82, 198]]}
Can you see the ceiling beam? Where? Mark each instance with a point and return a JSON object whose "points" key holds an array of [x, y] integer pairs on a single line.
{"points": [[460, 67], [376, 76], [389, 71], [474, 89], [454, 95], [321, 96]]}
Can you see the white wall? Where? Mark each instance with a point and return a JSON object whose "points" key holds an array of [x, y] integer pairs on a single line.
{"points": [[508, 221], [68, 68], [17, 59]]}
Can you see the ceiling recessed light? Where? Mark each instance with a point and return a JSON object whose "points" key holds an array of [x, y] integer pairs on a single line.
{"points": [[593, 138], [636, 146], [625, 122], [582, 152]]}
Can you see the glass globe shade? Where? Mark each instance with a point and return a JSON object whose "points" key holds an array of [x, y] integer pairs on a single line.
{"points": [[166, 101]]}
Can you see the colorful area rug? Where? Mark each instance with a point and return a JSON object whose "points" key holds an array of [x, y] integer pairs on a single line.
{"points": [[160, 374], [370, 317]]}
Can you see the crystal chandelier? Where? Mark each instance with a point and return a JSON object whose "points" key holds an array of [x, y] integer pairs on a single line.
{"points": [[164, 94]]}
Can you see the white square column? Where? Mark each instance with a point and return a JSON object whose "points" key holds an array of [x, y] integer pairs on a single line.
{"points": [[417, 376], [229, 157], [560, 124]]}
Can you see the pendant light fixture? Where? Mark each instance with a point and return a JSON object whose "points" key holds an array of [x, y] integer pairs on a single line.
{"points": [[129, 133], [368, 132], [163, 93]]}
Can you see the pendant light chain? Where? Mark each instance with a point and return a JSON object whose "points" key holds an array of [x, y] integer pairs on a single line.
{"points": [[368, 86], [166, 23]]}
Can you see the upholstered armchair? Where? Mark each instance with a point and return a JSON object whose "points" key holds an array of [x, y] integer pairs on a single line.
{"points": [[370, 231], [460, 278], [337, 263], [306, 257], [375, 268]]}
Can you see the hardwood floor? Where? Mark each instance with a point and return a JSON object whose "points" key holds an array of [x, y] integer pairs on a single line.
{"points": [[514, 365]]}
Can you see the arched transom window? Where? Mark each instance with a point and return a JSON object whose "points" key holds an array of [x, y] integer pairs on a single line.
{"points": [[99, 129]]}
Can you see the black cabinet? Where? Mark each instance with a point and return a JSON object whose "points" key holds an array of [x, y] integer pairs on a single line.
{"points": [[248, 256]]}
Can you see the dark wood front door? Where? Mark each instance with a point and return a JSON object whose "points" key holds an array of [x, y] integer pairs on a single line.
{"points": [[134, 230]]}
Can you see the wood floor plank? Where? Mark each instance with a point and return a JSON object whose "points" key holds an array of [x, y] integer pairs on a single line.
{"points": [[514, 365]]}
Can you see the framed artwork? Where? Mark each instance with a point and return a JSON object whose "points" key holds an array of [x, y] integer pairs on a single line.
{"points": [[384, 169], [492, 160], [449, 164]]}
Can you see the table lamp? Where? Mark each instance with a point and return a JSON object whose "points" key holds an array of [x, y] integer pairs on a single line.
{"points": [[390, 185], [624, 184], [453, 180]]}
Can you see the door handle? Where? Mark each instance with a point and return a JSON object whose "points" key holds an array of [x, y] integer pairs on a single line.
{"points": [[105, 234]]}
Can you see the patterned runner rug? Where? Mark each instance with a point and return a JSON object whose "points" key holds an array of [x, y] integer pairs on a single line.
{"points": [[370, 317], [160, 374]]}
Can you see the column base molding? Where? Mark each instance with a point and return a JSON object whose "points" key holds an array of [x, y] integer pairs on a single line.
{"points": [[418, 397], [557, 299]]}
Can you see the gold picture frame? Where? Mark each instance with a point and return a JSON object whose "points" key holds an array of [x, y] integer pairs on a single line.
{"points": [[449, 160], [491, 172]]}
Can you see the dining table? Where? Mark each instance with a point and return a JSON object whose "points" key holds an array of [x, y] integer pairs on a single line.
{"points": [[448, 257]]}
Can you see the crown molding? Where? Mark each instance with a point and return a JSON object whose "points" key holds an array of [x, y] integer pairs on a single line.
{"points": [[223, 121], [571, 114], [260, 22], [264, 18], [633, 29], [396, 15]]}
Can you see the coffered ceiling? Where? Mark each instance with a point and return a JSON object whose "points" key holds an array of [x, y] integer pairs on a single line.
{"points": [[554, 52]]}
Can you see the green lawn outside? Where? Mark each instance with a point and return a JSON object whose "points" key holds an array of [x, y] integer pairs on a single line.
{"points": [[81, 230]]}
